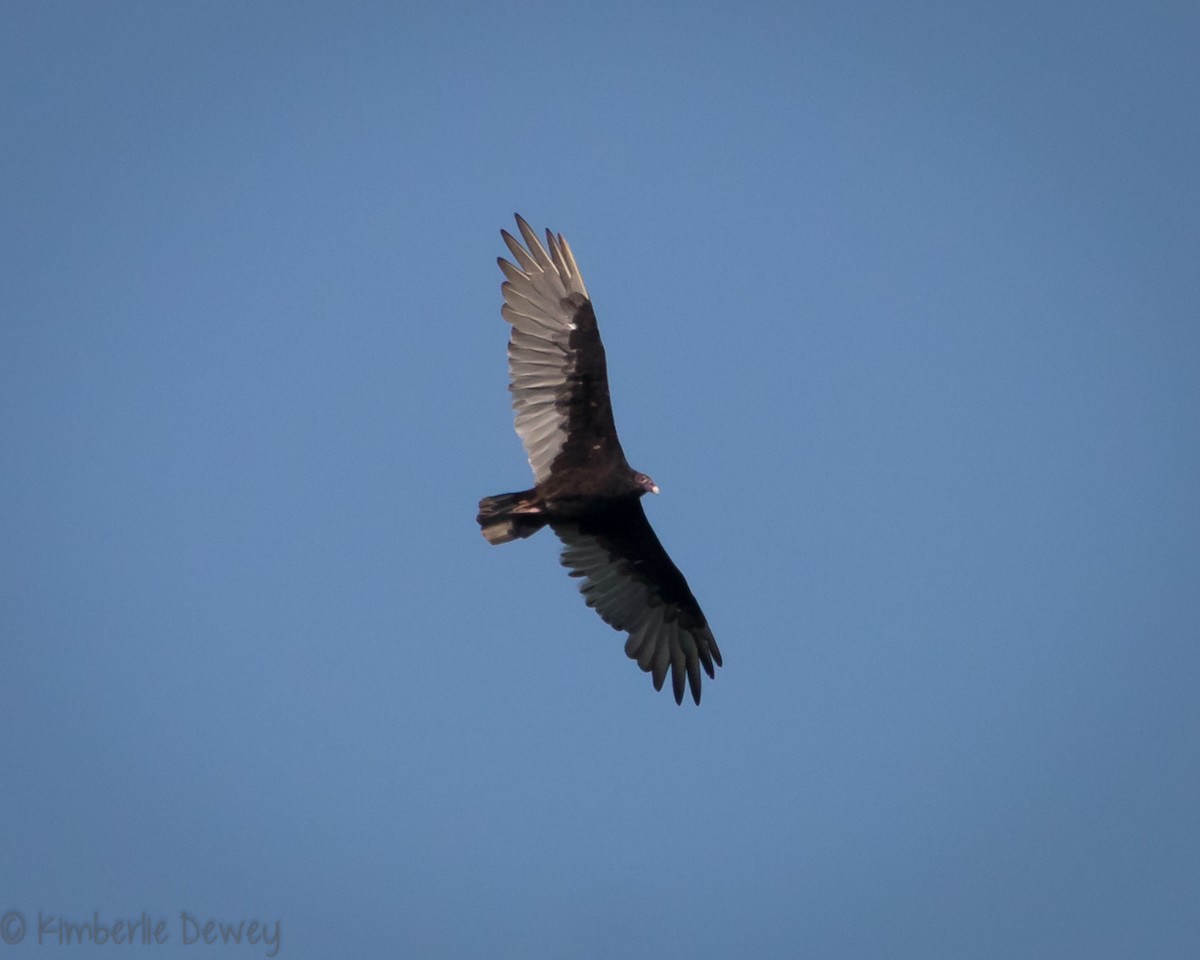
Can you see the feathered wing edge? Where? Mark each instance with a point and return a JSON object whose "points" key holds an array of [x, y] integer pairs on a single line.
{"points": [[634, 595], [542, 292]]}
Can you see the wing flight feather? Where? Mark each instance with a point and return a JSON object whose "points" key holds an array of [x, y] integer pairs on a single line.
{"points": [[544, 295], [629, 580]]}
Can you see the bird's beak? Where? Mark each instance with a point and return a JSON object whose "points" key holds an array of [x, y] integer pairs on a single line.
{"points": [[654, 488]]}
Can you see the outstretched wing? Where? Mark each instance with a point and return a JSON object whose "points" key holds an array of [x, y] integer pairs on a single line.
{"points": [[632, 583], [555, 358]]}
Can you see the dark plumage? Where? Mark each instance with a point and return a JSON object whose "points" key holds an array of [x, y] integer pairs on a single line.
{"points": [[585, 489]]}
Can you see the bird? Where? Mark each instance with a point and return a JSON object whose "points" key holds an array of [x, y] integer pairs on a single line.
{"points": [[585, 490]]}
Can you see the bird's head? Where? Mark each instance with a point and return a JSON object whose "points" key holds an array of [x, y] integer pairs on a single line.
{"points": [[643, 481]]}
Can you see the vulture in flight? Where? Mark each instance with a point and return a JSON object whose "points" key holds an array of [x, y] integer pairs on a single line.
{"points": [[585, 490]]}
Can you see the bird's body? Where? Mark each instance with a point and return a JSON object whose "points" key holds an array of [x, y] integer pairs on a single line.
{"points": [[586, 491]]}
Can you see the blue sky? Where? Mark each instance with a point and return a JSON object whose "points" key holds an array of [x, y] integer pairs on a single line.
{"points": [[902, 311]]}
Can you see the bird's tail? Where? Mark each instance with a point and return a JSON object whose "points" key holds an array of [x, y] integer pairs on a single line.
{"points": [[510, 516]]}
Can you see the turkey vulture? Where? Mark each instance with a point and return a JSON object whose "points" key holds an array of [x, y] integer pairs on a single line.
{"points": [[585, 490]]}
